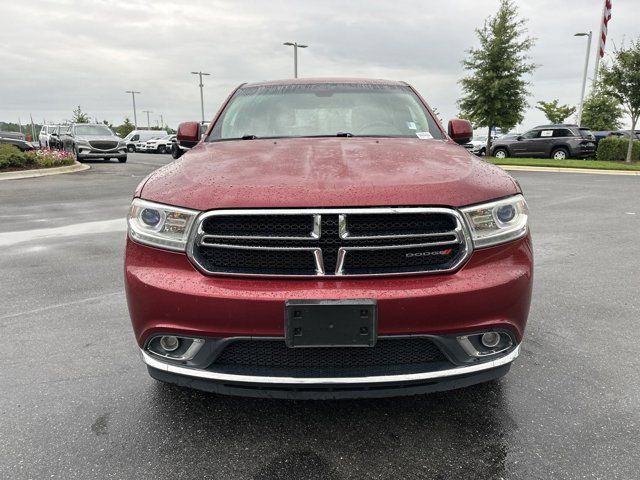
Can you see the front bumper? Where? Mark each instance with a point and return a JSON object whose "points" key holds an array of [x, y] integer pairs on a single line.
{"points": [[318, 388], [92, 153], [167, 295]]}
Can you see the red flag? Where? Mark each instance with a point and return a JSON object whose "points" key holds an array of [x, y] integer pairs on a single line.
{"points": [[606, 16]]}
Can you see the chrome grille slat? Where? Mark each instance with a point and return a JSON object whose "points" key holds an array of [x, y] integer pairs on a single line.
{"points": [[329, 241]]}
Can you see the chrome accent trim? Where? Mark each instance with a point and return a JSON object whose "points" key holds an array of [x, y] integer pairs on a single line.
{"points": [[226, 377], [194, 348], [343, 231], [196, 234], [313, 235], [458, 232], [316, 252]]}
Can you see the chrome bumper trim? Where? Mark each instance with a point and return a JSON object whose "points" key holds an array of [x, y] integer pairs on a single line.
{"points": [[225, 377]]}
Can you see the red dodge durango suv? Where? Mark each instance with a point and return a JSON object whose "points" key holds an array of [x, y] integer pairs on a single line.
{"points": [[326, 238]]}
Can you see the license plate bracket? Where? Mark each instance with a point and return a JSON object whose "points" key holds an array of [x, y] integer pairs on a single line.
{"points": [[330, 323]]}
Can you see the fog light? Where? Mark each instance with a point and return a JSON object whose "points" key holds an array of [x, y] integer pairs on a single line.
{"points": [[169, 343], [489, 339]]}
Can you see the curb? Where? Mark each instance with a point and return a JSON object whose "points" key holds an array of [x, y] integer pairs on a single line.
{"points": [[592, 171], [43, 172]]}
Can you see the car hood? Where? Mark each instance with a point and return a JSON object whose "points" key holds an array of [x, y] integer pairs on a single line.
{"points": [[327, 172]]}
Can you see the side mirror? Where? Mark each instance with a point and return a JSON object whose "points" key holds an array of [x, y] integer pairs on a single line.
{"points": [[519, 138], [460, 131], [188, 134]]}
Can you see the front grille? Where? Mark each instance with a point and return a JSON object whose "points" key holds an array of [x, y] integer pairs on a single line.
{"points": [[259, 225], [274, 356], [103, 144], [330, 242]]}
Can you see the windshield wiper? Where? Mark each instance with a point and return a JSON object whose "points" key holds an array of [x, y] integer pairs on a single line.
{"points": [[344, 134], [249, 137]]}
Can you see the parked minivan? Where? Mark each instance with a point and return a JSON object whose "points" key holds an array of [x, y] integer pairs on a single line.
{"points": [[137, 137]]}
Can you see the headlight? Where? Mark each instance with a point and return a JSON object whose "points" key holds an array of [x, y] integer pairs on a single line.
{"points": [[497, 222], [160, 225]]}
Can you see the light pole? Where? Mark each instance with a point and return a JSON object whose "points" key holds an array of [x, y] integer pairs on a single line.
{"points": [[161, 121], [584, 75], [295, 46], [200, 74], [133, 97], [148, 121]]}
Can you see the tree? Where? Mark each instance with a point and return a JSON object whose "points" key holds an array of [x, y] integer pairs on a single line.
{"points": [[495, 93], [601, 111], [621, 80], [126, 128], [79, 116], [555, 113]]}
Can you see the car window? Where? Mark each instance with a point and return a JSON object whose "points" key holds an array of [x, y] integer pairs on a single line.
{"points": [[546, 133], [531, 134], [325, 109], [586, 133], [135, 138], [563, 132], [89, 129]]}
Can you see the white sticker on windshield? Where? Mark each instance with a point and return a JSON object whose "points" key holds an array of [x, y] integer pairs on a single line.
{"points": [[424, 135], [411, 126], [546, 133]]}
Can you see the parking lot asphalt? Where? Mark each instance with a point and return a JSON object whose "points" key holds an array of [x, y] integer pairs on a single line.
{"points": [[76, 401]]}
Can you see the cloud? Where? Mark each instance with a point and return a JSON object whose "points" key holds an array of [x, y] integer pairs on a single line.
{"points": [[56, 55]]}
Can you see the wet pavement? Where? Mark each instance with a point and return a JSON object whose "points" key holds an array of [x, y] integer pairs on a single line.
{"points": [[76, 401]]}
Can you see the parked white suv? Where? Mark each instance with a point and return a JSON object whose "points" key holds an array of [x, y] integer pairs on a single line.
{"points": [[159, 145], [45, 135], [137, 138]]}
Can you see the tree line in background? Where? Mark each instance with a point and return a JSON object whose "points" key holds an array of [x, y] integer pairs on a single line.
{"points": [[495, 91]]}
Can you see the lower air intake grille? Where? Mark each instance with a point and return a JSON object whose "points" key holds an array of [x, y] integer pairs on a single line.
{"points": [[387, 352]]}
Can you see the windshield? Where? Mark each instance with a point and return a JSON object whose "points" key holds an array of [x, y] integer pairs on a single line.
{"points": [[325, 109], [92, 130]]}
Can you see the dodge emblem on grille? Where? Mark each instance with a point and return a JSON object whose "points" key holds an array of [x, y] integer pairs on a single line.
{"points": [[446, 251]]}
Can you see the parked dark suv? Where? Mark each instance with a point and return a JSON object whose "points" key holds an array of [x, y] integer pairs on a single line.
{"points": [[555, 141]]}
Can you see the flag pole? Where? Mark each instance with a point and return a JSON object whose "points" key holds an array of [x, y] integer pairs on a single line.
{"points": [[603, 24]]}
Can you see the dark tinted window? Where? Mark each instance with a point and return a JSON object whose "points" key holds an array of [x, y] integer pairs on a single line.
{"points": [[563, 132], [531, 134], [586, 133]]}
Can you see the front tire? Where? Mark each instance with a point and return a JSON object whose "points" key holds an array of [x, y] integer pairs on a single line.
{"points": [[162, 149], [501, 153], [131, 148], [122, 159], [560, 154]]}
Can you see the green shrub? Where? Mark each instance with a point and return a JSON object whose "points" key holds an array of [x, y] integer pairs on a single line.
{"points": [[615, 149], [12, 158]]}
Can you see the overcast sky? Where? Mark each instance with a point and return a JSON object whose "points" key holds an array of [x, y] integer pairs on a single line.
{"points": [[56, 55]]}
